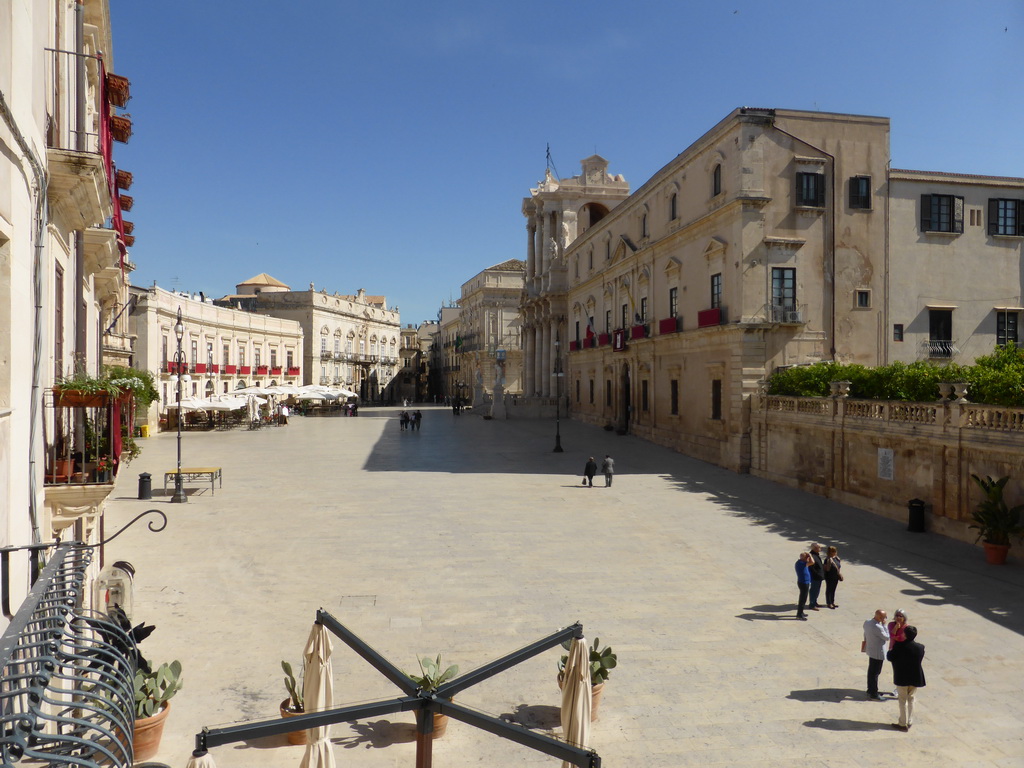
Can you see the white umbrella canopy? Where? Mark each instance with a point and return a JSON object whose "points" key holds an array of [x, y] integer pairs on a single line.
{"points": [[314, 396], [576, 695], [190, 404], [318, 695], [347, 392]]}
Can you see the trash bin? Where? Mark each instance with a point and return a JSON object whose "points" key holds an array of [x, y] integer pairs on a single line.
{"points": [[144, 430], [145, 486], [915, 510]]}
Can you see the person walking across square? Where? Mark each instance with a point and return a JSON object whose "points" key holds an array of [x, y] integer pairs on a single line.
{"points": [[608, 468], [907, 673], [876, 637], [589, 470], [803, 583]]}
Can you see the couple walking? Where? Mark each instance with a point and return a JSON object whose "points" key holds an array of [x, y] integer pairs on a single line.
{"points": [[607, 469]]}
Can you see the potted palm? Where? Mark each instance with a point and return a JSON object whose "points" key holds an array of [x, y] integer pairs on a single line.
{"points": [[430, 678], [294, 704], [153, 691], [995, 520], [602, 660]]}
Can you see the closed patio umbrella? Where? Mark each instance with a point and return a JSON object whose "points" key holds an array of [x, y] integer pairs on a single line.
{"points": [[318, 695], [201, 759], [576, 696]]}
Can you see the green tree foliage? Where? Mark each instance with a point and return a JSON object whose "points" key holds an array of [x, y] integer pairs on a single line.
{"points": [[996, 379]]}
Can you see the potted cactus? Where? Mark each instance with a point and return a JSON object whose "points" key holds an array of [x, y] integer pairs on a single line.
{"points": [[602, 660], [294, 704], [430, 678], [153, 691]]}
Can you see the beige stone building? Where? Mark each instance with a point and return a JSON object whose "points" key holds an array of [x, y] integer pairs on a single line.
{"points": [[453, 380], [778, 238], [225, 349], [349, 341], [490, 333]]}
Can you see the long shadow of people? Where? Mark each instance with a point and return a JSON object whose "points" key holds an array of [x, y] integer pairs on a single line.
{"points": [[835, 695], [782, 612], [830, 724]]}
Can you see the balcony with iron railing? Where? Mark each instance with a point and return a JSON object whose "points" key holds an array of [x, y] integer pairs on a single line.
{"points": [[939, 349]]}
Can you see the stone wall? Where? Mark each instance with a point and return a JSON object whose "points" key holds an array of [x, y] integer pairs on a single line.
{"points": [[878, 455]]}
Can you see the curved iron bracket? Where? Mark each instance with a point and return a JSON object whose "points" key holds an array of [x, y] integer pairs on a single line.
{"points": [[152, 526]]}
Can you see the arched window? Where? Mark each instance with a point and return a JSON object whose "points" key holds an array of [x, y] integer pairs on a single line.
{"points": [[643, 226], [716, 180], [673, 207]]}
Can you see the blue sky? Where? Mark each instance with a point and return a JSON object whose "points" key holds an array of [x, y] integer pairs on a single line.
{"points": [[388, 145]]}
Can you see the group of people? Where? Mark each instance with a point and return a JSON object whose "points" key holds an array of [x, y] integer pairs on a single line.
{"points": [[607, 469], [895, 640], [811, 572], [411, 422]]}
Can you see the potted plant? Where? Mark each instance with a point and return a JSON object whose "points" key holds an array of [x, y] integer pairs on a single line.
{"points": [[601, 661], [81, 390], [153, 691], [995, 520], [294, 704], [104, 466], [430, 678]]}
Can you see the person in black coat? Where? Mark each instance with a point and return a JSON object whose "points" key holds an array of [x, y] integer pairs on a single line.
{"points": [[589, 471], [908, 674]]}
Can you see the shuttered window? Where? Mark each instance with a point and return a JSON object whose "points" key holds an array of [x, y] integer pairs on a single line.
{"points": [[1004, 217], [860, 192], [942, 213], [810, 190]]}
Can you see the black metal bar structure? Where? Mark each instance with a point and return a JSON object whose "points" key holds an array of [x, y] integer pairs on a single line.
{"points": [[423, 703]]}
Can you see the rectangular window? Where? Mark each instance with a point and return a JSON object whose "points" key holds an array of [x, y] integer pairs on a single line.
{"points": [[591, 391], [716, 291], [940, 333], [256, 357], [625, 316], [58, 323], [673, 207], [784, 288], [195, 353], [673, 387], [577, 333], [241, 354], [863, 299], [860, 192], [942, 213], [716, 399], [163, 352], [643, 309], [897, 332], [225, 354], [1006, 327], [643, 395], [810, 190], [673, 302], [290, 356], [1004, 217], [273, 358], [323, 345], [608, 321], [608, 392]]}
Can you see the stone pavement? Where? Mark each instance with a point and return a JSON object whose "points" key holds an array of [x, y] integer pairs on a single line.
{"points": [[473, 539]]}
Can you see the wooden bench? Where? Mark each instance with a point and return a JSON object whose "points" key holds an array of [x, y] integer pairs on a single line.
{"points": [[213, 474]]}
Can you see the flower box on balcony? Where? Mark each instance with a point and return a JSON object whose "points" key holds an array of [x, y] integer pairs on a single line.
{"points": [[638, 331], [245, 369], [118, 90], [294, 372], [200, 367], [215, 368], [708, 317], [128, 227], [75, 398], [171, 365], [573, 346], [230, 368], [275, 371], [124, 180], [129, 241], [121, 128], [127, 201], [261, 370], [604, 339], [668, 325]]}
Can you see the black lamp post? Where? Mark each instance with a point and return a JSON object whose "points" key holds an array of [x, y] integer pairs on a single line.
{"points": [[179, 496], [558, 395]]}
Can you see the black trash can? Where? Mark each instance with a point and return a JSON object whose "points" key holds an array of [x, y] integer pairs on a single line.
{"points": [[915, 521], [145, 486]]}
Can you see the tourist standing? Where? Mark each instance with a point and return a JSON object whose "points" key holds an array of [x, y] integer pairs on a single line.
{"points": [[589, 470], [833, 575], [284, 413], [817, 575], [608, 468], [876, 636], [403, 420], [907, 657], [417, 417], [803, 583]]}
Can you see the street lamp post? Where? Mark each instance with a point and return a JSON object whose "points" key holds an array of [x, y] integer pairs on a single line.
{"points": [[558, 395], [179, 496]]}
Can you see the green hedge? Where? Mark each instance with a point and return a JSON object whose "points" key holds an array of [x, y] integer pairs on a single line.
{"points": [[996, 379]]}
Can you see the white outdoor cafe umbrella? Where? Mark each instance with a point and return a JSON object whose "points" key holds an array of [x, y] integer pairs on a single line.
{"points": [[201, 759], [576, 696], [318, 695]]}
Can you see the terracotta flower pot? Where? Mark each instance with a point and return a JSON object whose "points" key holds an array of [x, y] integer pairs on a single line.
{"points": [[148, 732], [440, 725], [294, 737], [995, 554], [595, 696], [73, 398]]}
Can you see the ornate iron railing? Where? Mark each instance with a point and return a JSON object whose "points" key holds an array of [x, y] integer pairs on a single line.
{"points": [[66, 683]]}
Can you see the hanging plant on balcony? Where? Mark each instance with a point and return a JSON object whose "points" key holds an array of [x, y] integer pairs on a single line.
{"points": [[83, 391], [118, 89], [127, 201], [129, 227], [129, 241], [124, 180], [121, 128]]}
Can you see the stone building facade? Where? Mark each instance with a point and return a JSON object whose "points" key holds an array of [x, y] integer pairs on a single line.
{"points": [[490, 329], [349, 341], [224, 349]]}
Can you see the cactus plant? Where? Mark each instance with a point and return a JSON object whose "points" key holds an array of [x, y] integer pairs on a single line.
{"points": [[431, 675], [293, 688], [601, 661], [154, 688]]}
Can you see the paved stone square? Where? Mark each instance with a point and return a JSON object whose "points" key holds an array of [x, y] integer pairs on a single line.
{"points": [[473, 539]]}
